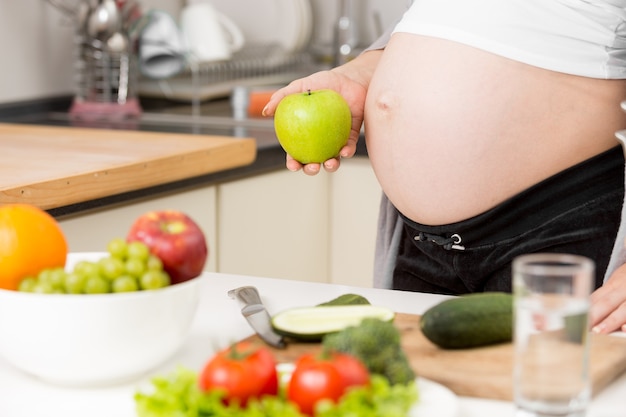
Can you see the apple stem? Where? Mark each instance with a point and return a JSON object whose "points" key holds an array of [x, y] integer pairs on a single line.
{"points": [[308, 91]]}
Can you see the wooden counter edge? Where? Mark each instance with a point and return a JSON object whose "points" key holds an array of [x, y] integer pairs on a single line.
{"points": [[85, 186]]}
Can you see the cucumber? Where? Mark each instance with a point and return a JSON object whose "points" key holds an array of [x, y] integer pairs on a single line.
{"points": [[470, 321], [313, 323], [346, 299]]}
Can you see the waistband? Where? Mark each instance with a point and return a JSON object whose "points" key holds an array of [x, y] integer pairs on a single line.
{"points": [[590, 179]]}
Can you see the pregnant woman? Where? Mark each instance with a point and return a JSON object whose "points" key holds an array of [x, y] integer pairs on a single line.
{"points": [[491, 127]]}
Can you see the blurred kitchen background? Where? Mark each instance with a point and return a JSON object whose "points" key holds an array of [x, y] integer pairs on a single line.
{"points": [[37, 40], [41, 57]]}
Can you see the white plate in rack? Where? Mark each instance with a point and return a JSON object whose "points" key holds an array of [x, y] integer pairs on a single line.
{"points": [[287, 23], [306, 20]]}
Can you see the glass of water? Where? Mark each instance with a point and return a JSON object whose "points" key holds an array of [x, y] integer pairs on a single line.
{"points": [[551, 334]]}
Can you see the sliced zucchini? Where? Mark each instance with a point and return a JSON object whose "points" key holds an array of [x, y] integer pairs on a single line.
{"points": [[312, 323]]}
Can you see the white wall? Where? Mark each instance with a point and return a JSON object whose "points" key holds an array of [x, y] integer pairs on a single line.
{"points": [[36, 41], [35, 48], [326, 12]]}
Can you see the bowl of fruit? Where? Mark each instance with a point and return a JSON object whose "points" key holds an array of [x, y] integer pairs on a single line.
{"points": [[99, 318]]}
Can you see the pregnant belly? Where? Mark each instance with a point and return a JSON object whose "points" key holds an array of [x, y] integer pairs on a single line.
{"points": [[452, 131]]}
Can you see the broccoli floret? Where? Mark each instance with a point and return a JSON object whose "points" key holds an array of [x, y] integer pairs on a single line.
{"points": [[377, 344]]}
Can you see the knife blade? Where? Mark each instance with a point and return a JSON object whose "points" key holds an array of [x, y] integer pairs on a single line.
{"points": [[257, 316]]}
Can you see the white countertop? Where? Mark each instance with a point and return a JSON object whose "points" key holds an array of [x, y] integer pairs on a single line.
{"points": [[218, 323]]}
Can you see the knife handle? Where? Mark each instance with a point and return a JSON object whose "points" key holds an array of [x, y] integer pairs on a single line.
{"points": [[247, 295]]}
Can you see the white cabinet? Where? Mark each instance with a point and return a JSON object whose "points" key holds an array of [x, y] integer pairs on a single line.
{"points": [[292, 226], [275, 225], [355, 196], [280, 224], [90, 232]]}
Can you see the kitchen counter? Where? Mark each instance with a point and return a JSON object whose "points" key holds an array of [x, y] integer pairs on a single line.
{"points": [[160, 118], [52, 167], [218, 323], [220, 202]]}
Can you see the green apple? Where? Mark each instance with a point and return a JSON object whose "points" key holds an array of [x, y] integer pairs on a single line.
{"points": [[313, 126]]}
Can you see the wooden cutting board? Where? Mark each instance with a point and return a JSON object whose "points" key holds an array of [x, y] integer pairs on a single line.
{"points": [[51, 166], [480, 372]]}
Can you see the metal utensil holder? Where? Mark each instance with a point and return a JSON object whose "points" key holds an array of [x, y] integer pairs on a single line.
{"points": [[104, 76]]}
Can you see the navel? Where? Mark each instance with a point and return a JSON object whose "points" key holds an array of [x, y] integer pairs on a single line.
{"points": [[386, 102]]}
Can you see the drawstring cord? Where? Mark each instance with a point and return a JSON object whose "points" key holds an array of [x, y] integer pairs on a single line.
{"points": [[448, 243]]}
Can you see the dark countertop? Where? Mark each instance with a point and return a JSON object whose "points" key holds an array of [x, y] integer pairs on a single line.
{"points": [[211, 118]]}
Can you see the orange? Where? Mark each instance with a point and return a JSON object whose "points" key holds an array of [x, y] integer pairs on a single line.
{"points": [[30, 240]]}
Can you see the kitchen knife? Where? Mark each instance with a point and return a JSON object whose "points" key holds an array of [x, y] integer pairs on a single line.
{"points": [[254, 311]]}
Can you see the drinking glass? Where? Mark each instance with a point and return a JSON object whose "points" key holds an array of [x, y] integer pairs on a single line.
{"points": [[551, 335]]}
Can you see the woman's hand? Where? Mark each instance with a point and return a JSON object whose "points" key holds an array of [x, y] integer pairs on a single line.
{"points": [[608, 304], [351, 81]]}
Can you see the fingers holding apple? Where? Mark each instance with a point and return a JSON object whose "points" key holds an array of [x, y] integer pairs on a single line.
{"points": [[330, 165], [313, 127], [176, 239]]}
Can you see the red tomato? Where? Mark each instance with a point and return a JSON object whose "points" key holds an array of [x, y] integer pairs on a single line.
{"points": [[352, 370], [243, 371], [325, 376]]}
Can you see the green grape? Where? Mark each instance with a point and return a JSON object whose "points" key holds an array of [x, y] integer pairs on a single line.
{"points": [[165, 278], [111, 268], [153, 280], [58, 277], [154, 263], [27, 284], [74, 283], [52, 277], [86, 268], [138, 250], [44, 275], [97, 285], [129, 267], [135, 267], [125, 283], [117, 248], [44, 288]]}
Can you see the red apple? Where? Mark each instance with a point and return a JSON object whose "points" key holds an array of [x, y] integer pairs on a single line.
{"points": [[176, 239]]}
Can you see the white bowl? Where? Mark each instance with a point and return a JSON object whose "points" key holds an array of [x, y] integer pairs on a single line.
{"points": [[98, 339]]}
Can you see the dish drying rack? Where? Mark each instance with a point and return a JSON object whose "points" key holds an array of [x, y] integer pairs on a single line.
{"points": [[253, 66]]}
